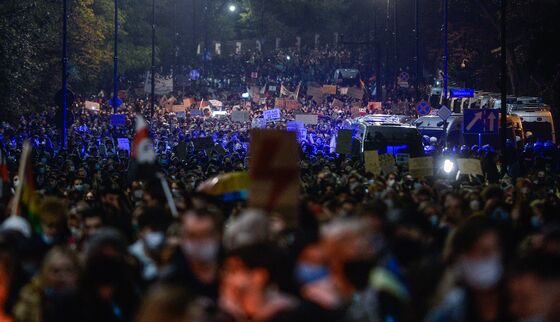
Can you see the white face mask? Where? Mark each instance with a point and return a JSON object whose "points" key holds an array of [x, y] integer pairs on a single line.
{"points": [[481, 274], [204, 251], [154, 240], [475, 205], [391, 182]]}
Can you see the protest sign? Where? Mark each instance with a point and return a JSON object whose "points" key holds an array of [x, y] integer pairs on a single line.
{"points": [[470, 166], [421, 167], [258, 123], [315, 92], [240, 116], [178, 108], [118, 120], [387, 162], [307, 119], [188, 102], [92, 106], [343, 90], [123, 144], [195, 112], [274, 173], [272, 115], [402, 159], [291, 104], [344, 142], [337, 104], [374, 106], [280, 103], [329, 89], [371, 162]]}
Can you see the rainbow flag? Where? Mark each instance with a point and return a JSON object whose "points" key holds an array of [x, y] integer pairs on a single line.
{"points": [[26, 195], [4, 176]]}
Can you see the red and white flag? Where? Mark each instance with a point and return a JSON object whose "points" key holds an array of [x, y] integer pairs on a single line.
{"points": [[142, 146]]}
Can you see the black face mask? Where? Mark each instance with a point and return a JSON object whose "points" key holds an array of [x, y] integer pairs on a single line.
{"points": [[357, 272]]}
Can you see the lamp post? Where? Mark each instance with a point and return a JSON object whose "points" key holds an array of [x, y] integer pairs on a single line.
{"points": [[503, 106], [116, 60], [445, 42], [64, 69], [417, 47], [153, 67]]}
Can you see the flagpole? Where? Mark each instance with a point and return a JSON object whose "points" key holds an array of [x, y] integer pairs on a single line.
{"points": [[168, 195], [153, 67], [21, 174]]}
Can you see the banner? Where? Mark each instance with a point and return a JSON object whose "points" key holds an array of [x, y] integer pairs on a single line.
{"points": [[470, 166], [188, 102], [272, 115], [421, 167], [123, 144], [329, 89], [307, 119], [337, 104], [164, 84], [371, 162], [374, 106], [92, 106], [240, 116], [285, 92], [291, 104], [178, 108], [387, 162], [274, 173]]}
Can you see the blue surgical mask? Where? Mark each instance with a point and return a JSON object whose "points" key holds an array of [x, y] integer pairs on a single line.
{"points": [[308, 273], [535, 222]]}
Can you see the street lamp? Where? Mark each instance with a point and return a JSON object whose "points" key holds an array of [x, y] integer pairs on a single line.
{"points": [[232, 8]]}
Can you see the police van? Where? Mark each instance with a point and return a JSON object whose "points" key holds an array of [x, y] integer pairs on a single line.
{"points": [[432, 126], [536, 118], [386, 136]]}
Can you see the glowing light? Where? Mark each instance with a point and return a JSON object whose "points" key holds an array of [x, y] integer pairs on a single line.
{"points": [[232, 8], [448, 166]]}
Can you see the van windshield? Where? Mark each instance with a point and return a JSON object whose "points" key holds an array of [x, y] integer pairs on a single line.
{"points": [[541, 130]]}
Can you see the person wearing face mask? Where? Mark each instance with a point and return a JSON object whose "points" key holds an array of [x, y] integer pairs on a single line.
{"points": [[152, 224], [51, 295], [195, 263], [475, 289], [53, 228]]}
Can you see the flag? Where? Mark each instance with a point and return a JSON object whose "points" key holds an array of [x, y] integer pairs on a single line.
{"points": [[4, 175], [26, 197], [143, 156], [285, 92]]}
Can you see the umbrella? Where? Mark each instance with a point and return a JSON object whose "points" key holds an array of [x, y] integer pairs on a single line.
{"points": [[225, 183]]}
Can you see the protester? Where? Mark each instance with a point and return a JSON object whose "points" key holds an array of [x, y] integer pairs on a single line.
{"points": [[123, 242]]}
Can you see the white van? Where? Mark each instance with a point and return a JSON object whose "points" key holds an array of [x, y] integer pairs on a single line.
{"points": [[538, 121]]}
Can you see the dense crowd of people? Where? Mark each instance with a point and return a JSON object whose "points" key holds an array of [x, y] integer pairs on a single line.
{"points": [[391, 247]]}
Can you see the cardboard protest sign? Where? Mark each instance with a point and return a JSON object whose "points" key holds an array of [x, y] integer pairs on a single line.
{"points": [[280, 103], [123, 144], [92, 106], [421, 167], [272, 115], [402, 159], [374, 106], [178, 108], [163, 84], [291, 104], [274, 173], [188, 102], [470, 166], [371, 162], [240, 116], [344, 142], [118, 120], [387, 162], [337, 104], [307, 119], [329, 89]]}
